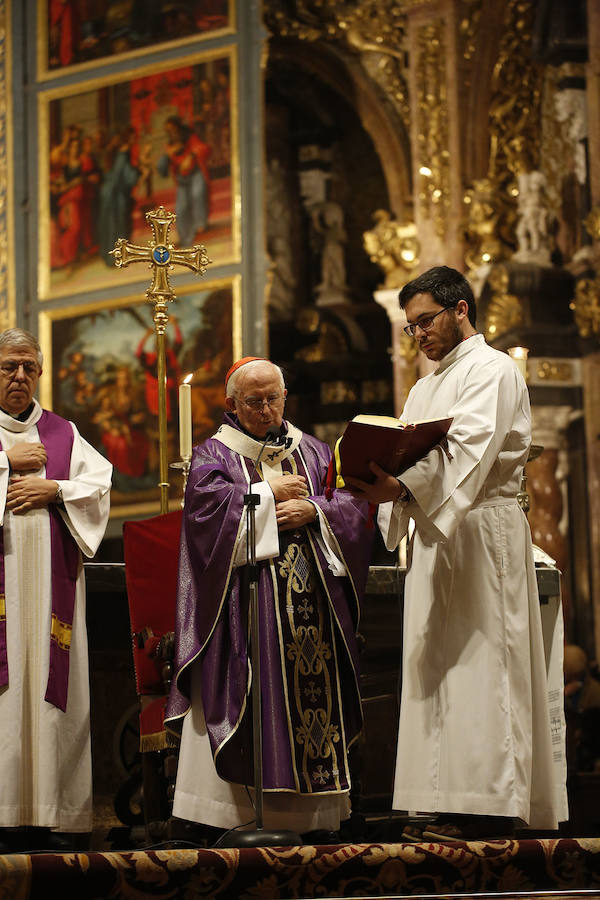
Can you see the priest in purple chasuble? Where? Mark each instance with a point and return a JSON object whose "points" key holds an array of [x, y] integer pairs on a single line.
{"points": [[313, 556], [54, 505]]}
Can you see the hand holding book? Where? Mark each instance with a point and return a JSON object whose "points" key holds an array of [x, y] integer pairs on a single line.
{"points": [[374, 450]]}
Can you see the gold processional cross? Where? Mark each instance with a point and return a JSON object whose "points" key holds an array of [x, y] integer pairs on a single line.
{"points": [[161, 256]]}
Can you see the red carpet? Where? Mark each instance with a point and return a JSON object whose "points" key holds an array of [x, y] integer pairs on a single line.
{"points": [[565, 865]]}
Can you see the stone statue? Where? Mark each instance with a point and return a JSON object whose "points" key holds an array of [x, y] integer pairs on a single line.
{"points": [[532, 225], [328, 221], [570, 106]]}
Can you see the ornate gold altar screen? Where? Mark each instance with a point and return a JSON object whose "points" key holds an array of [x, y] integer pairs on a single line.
{"points": [[161, 257]]}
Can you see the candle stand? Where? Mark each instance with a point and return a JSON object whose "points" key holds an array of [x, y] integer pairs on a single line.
{"points": [[184, 465]]}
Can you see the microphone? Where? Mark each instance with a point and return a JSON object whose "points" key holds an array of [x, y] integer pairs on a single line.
{"points": [[271, 436]]}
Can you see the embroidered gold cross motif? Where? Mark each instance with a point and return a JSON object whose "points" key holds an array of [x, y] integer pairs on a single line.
{"points": [[305, 608], [312, 692], [320, 775]]}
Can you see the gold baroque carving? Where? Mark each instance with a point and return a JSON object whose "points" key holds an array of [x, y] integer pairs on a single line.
{"points": [[514, 117], [394, 247], [470, 13], [586, 307], [592, 223], [373, 28], [516, 96], [433, 185], [554, 371], [504, 310], [482, 247]]}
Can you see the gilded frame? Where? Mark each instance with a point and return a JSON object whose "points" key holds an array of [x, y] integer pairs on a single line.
{"points": [[98, 372], [126, 125], [45, 71], [7, 265]]}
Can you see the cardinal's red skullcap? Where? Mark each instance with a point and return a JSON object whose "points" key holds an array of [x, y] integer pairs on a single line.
{"points": [[240, 363]]}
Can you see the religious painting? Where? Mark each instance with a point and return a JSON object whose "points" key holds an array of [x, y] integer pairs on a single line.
{"points": [[100, 371], [115, 149], [84, 33]]}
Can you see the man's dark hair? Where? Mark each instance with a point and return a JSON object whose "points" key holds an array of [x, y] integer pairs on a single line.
{"points": [[447, 286]]}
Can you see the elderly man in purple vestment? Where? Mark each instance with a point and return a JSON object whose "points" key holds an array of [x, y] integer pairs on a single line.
{"points": [[54, 504], [313, 556]]}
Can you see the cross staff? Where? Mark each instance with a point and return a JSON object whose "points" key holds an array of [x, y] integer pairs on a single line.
{"points": [[161, 257]]}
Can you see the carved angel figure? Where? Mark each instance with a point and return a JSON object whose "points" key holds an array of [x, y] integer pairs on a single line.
{"points": [[394, 247]]}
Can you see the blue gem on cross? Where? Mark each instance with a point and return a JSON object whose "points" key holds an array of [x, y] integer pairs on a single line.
{"points": [[161, 255]]}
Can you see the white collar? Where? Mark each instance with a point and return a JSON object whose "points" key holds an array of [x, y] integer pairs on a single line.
{"points": [[9, 423], [247, 446], [471, 343]]}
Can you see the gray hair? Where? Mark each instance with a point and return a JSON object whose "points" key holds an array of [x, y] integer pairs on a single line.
{"points": [[18, 337], [233, 379]]}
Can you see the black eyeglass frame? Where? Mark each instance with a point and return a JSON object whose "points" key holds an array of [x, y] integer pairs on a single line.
{"points": [[426, 322]]}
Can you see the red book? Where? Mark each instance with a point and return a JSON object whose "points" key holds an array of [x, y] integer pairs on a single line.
{"points": [[392, 444]]}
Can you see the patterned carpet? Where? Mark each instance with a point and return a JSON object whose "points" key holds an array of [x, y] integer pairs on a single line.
{"points": [[522, 868]]}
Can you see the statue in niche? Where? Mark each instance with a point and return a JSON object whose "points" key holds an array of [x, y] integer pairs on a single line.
{"points": [[393, 247], [283, 279], [571, 112], [328, 222], [532, 225], [570, 106]]}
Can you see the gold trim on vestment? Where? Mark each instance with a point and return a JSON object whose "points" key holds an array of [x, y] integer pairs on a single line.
{"points": [[315, 730], [2, 607], [343, 638], [61, 632]]}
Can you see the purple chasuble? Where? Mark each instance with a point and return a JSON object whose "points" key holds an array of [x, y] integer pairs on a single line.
{"points": [[56, 435], [309, 617]]}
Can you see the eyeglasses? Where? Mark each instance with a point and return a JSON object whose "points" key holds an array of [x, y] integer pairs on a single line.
{"points": [[11, 367], [425, 323], [256, 404]]}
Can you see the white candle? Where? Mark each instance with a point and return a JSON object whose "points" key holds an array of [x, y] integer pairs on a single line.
{"points": [[519, 357], [185, 420]]}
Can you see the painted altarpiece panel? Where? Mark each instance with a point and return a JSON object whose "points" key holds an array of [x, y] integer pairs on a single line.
{"points": [[100, 372], [114, 148], [76, 34]]}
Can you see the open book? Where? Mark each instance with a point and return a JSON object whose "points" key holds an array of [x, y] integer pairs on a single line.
{"points": [[392, 444]]}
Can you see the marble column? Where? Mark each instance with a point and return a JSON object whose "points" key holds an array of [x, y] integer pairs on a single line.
{"points": [[547, 488]]}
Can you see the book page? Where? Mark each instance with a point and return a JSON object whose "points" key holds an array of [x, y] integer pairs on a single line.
{"points": [[389, 421], [382, 421]]}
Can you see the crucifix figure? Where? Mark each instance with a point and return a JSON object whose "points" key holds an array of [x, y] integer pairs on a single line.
{"points": [[161, 257]]}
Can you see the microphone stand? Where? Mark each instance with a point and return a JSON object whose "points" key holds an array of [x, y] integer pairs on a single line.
{"points": [[259, 837]]}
